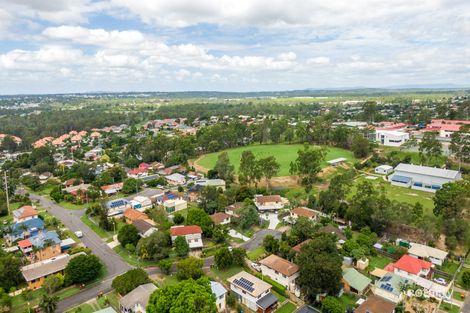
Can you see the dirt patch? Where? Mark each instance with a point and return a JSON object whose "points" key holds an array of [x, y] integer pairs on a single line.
{"points": [[198, 167]]}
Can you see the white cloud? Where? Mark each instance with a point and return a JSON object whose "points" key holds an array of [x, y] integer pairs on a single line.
{"points": [[318, 60]]}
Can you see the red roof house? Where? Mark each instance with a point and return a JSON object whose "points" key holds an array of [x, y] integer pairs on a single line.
{"points": [[185, 230], [412, 265]]}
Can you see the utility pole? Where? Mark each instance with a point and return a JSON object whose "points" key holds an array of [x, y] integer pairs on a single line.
{"points": [[6, 191]]}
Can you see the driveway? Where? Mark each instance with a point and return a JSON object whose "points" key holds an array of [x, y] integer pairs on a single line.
{"points": [[113, 262], [257, 240], [271, 218], [233, 233]]}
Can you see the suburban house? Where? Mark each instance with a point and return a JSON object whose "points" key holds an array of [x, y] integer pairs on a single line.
{"points": [[355, 282], [112, 189], [136, 300], [280, 270], [36, 273], [234, 208], [176, 179], [253, 292], [445, 127], [141, 203], [152, 194], [117, 206], [375, 304], [422, 177], [131, 215], [167, 196], [329, 229], [137, 173], [434, 255], [175, 205], [383, 169], [268, 203], [144, 227], [220, 218], [26, 229], [192, 234], [391, 138], [218, 183], [43, 246], [220, 294], [310, 214], [389, 287], [24, 213]]}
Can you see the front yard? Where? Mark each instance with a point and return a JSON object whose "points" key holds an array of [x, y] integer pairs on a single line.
{"points": [[289, 307]]}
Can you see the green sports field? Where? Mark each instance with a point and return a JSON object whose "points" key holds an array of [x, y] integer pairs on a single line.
{"points": [[283, 153]]}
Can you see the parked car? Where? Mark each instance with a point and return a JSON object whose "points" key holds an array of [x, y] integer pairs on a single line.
{"points": [[79, 234], [440, 280]]}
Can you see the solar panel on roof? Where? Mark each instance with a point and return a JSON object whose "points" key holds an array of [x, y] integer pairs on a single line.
{"points": [[244, 284], [386, 278], [243, 279]]}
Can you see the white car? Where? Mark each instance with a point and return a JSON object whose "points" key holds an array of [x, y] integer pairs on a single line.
{"points": [[440, 280], [79, 234]]}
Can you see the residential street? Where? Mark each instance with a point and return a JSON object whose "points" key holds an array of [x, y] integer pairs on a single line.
{"points": [[257, 239], [113, 262]]}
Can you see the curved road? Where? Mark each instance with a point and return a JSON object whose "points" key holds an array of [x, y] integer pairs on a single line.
{"points": [[113, 262]]}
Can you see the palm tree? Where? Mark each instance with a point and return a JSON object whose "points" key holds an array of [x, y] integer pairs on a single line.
{"points": [[49, 303]]}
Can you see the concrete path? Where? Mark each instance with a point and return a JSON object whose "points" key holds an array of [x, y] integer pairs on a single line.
{"points": [[271, 218], [233, 233]]}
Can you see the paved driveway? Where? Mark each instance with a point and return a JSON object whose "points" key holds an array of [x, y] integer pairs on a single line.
{"points": [[271, 218], [257, 240], [113, 262], [233, 233]]}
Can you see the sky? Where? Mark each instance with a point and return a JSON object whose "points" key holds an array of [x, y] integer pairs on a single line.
{"points": [[62, 46]]}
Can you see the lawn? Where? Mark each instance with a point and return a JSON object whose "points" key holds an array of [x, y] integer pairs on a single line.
{"points": [[170, 280], [284, 154], [132, 259], [348, 300], [256, 254], [449, 267], [402, 194], [226, 273], [449, 308], [378, 261], [94, 227], [286, 308], [84, 308]]}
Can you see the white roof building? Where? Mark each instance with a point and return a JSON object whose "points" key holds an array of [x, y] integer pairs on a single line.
{"points": [[436, 256], [391, 138]]}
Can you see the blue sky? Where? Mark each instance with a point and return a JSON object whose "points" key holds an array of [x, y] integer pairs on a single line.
{"points": [[245, 45]]}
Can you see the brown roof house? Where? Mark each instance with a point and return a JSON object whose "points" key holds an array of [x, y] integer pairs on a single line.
{"points": [[24, 213], [130, 215], [220, 218], [270, 203], [144, 227], [375, 304], [281, 271]]}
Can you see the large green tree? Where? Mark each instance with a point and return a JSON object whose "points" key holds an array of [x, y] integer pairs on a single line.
{"points": [[128, 234], [186, 296], [189, 268], [224, 168], [269, 168], [308, 165], [199, 217], [82, 269], [130, 280], [155, 247], [10, 274], [320, 267], [430, 147], [460, 144], [249, 171], [181, 246]]}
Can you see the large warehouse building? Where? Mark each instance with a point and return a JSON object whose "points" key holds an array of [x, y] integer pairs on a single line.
{"points": [[422, 177]]}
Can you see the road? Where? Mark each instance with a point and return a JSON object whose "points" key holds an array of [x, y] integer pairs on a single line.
{"points": [[257, 239], [113, 262]]}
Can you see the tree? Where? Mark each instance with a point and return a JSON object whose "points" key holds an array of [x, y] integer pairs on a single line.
{"points": [[223, 258], [451, 199], [331, 305], [248, 217], [238, 256], [10, 274], [165, 266], [269, 168], [5, 301], [128, 234], [223, 167], [429, 147], [52, 283], [271, 244], [130, 280], [8, 143], [189, 268], [186, 296], [466, 279], [320, 267], [83, 268], [154, 247], [49, 303], [178, 218], [212, 199], [199, 217], [360, 146], [460, 144], [131, 185], [308, 165], [303, 229], [181, 246], [248, 171]]}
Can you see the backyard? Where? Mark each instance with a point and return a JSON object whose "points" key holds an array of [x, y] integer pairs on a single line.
{"points": [[284, 154]]}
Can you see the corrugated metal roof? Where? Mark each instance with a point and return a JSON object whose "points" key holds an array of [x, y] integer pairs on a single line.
{"points": [[426, 170]]}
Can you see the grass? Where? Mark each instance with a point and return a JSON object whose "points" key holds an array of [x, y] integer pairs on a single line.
{"points": [[458, 296], [226, 273], [283, 153], [449, 308], [94, 227], [279, 297], [286, 308], [449, 267], [170, 280], [132, 258], [348, 300], [19, 303], [402, 194], [256, 254], [84, 308], [378, 261], [415, 158]]}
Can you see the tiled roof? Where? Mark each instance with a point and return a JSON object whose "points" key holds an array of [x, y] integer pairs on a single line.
{"points": [[185, 230], [280, 265], [375, 304], [267, 199], [133, 214], [25, 211], [412, 265], [219, 217], [304, 212], [299, 246]]}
